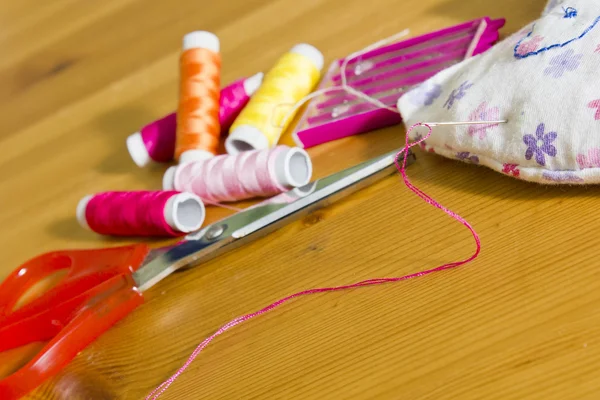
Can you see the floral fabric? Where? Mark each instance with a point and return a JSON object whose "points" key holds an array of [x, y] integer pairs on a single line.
{"points": [[543, 80]]}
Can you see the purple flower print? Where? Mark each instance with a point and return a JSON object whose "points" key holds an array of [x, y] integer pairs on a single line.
{"points": [[566, 61], [561, 176], [467, 157], [530, 46], [457, 94], [597, 49], [425, 94], [540, 144]]}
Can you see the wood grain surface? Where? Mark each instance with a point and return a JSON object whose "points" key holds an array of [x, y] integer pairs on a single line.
{"points": [[522, 322]]}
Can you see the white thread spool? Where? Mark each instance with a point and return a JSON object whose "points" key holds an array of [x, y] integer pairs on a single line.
{"points": [[183, 212], [137, 149]]}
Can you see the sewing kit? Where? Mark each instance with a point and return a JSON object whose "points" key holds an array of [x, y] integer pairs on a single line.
{"points": [[455, 88]]}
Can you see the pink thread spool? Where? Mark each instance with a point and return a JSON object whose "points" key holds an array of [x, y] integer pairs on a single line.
{"points": [[250, 174], [141, 213], [156, 141]]}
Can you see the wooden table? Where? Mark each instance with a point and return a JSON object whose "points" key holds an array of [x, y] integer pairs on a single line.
{"points": [[77, 77]]}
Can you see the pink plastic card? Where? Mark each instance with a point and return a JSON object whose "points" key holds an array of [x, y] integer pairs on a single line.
{"points": [[386, 73]]}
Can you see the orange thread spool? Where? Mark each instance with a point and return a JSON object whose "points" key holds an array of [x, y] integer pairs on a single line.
{"points": [[198, 129]]}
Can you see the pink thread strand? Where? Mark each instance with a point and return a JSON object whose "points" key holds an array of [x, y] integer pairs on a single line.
{"points": [[159, 136], [139, 213], [369, 282], [225, 178]]}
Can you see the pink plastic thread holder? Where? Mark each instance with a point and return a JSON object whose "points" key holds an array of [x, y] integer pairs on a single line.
{"points": [[386, 73]]}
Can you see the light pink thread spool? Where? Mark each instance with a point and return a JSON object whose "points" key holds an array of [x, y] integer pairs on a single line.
{"points": [[257, 173], [156, 141]]}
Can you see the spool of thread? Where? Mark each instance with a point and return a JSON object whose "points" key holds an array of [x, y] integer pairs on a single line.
{"points": [[141, 213], [258, 173], [156, 141], [261, 122], [198, 128]]}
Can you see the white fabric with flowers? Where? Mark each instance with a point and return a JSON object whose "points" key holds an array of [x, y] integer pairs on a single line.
{"points": [[544, 80]]}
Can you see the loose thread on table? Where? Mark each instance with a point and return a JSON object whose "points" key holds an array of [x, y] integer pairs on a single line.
{"points": [[401, 166]]}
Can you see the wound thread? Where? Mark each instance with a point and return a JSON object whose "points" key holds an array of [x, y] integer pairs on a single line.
{"points": [[141, 213], [198, 127], [156, 141], [262, 122], [250, 174]]}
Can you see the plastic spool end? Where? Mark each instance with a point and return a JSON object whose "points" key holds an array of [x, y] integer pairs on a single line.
{"points": [[81, 207], [137, 150], [310, 52], [169, 178], [201, 40], [293, 168], [194, 155], [252, 84], [245, 138], [185, 212], [305, 190]]}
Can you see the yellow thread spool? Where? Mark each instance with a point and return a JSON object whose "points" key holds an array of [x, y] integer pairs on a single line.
{"points": [[259, 125]]}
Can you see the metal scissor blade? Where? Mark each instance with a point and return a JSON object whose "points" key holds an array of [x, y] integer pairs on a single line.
{"points": [[327, 190], [263, 218]]}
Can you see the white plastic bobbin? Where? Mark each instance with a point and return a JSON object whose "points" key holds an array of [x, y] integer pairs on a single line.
{"points": [[293, 167], [252, 84], [137, 149], [194, 155], [310, 52], [245, 138], [81, 207], [184, 212], [169, 178], [201, 40]]}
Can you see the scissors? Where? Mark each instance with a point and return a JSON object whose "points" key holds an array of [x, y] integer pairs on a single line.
{"points": [[102, 286]]}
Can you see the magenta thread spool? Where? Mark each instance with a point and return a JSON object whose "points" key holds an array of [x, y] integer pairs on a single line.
{"points": [[156, 141], [141, 213]]}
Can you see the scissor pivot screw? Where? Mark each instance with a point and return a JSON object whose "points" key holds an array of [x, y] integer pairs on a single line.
{"points": [[215, 231]]}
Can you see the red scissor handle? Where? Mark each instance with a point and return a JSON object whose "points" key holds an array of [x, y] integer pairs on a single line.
{"points": [[86, 269], [97, 292]]}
